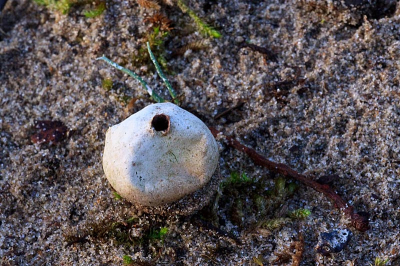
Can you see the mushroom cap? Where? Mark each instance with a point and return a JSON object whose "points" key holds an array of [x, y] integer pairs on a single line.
{"points": [[159, 155]]}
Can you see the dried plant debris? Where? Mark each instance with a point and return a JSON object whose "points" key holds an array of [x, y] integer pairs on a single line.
{"points": [[49, 132], [212, 229], [268, 54], [149, 4], [225, 111], [298, 246], [193, 46], [292, 254], [159, 20], [127, 232]]}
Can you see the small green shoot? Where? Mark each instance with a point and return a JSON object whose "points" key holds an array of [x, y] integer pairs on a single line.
{"points": [[118, 92], [132, 220], [62, 6], [124, 99], [275, 223], [259, 260], [236, 179], [291, 188], [107, 84], [379, 262], [201, 25], [117, 196], [282, 188], [97, 11], [127, 260], [300, 214], [280, 184], [156, 38], [158, 234]]}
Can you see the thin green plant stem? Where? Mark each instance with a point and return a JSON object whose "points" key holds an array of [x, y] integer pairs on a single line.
{"points": [[153, 95], [171, 90], [203, 27]]}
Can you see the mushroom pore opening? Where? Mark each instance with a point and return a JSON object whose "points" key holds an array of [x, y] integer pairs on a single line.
{"points": [[160, 122]]}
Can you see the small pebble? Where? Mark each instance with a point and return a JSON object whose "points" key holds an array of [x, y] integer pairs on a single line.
{"points": [[333, 241]]}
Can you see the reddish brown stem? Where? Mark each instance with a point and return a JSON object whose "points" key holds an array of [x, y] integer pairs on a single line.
{"points": [[358, 220]]}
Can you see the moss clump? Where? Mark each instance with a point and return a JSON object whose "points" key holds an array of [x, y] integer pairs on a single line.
{"points": [[96, 11], [156, 39], [104, 229], [277, 223], [117, 196], [127, 260], [273, 224], [157, 234], [107, 84], [118, 90], [299, 214], [120, 231], [380, 262], [249, 205], [64, 6], [236, 179]]}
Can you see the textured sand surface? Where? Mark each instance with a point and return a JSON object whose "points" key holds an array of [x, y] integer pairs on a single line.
{"points": [[326, 102]]}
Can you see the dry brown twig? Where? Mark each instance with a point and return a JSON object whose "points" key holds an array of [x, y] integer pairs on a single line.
{"points": [[358, 220]]}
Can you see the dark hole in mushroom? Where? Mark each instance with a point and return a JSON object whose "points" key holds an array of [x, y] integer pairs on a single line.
{"points": [[160, 122]]}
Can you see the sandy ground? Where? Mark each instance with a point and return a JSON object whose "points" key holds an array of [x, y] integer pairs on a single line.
{"points": [[326, 101]]}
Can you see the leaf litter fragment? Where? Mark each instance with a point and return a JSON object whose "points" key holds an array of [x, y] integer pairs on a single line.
{"points": [[49, 131]]}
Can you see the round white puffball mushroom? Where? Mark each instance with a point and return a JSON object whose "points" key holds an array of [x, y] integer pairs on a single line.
{"points": [[159, 155]]}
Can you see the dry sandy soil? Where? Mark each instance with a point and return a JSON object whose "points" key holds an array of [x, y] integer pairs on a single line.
{"points": [[322, 97]]}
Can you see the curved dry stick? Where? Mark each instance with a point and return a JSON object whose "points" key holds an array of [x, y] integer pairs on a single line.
{"points": [[358, 220]]}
